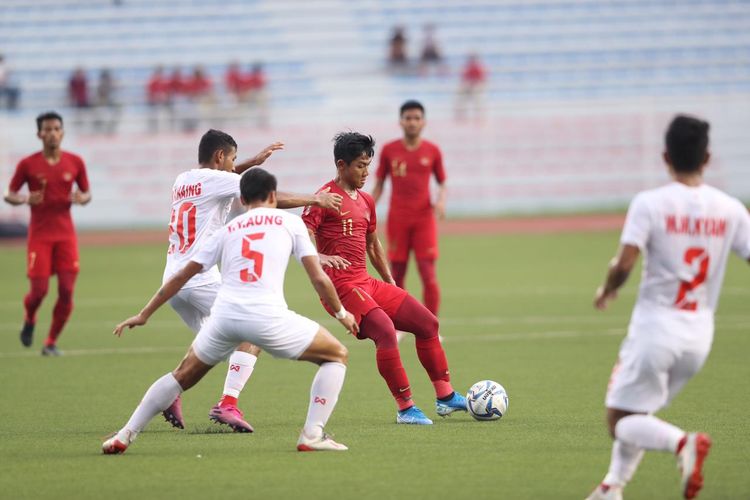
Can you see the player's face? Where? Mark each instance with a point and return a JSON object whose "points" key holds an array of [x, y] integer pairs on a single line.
{"points": [[412, 122], [355, 174], [227, 159], [51, 133]]}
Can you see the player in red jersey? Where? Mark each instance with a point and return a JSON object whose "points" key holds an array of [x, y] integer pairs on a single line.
{"points": [[411, 162], [345, 238], [52, 245]]}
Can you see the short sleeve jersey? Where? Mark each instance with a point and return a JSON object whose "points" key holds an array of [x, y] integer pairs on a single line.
{"points": [[201, 200], [410, 172], [344, 232], [253, 251], [51, 219], [686, 234]]}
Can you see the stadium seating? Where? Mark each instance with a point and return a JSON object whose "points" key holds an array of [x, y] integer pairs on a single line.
{"points": [[541, 49]]}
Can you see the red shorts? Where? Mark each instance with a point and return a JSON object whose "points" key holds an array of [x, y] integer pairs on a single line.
{"points": [[45, 258], [363, 296], [406, 232]]}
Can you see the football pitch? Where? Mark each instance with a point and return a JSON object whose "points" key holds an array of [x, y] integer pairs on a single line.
{"points": [[516, 309]]}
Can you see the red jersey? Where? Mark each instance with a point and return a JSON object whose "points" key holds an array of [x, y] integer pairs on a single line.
{"points": [[343, 232], [410, 172], [51, 220]]}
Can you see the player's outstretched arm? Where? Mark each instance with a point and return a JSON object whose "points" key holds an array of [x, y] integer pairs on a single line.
{"points": [[620, 268], [259, 158], [376, 255], [322, 200], [322, 284], [166, 292]]}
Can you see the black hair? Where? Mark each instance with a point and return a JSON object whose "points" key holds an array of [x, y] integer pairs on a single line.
{"points": [[49, 115], [411, 104], [348, 146], [687, 142], [256, 184], [212, 141]]}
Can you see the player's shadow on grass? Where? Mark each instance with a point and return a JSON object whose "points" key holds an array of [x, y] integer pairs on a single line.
{"points": [[210, 429]]}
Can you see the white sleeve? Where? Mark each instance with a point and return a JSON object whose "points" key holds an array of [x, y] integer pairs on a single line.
{"points": [[209, 253], [741, 242], [637, 223], [227, 184], [301, 246]]}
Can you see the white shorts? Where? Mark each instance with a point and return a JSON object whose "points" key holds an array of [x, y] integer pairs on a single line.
{"points": [[280, 332], [649, 373], [194, 304]]}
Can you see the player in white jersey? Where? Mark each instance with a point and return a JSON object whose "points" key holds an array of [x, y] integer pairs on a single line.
{"points": [[254, 251], [685, 231], [201, 200]]}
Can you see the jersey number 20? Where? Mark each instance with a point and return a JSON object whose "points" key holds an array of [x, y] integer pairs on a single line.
{"points": [[692, 254]]}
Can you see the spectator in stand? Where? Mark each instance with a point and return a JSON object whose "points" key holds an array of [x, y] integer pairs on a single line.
{"points": [[431, 56], [78, 96], [233, 80], [78, 89], [199, 91], [159, 96], [397, 57], [471, 89], [257, 95], [8, 91], [107, 108], [178, 97]]}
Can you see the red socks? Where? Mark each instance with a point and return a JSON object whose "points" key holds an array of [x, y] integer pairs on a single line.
{"points": [[392, 370], [398, 269], [228, 401], [430, 287], [432, 357], [34, 298], [63, 306]]}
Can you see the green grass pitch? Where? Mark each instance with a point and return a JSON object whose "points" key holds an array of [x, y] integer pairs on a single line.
{"points": [[516, 309]]}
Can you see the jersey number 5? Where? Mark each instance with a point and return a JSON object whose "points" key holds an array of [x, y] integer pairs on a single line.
{"points": [[247, 275], [182, 222], [699, 255]]}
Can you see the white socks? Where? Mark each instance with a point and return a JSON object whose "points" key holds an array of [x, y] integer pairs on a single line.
{"points": [[241, 366], [648, 432], [324, 393], [159, 396], [625, 460]]}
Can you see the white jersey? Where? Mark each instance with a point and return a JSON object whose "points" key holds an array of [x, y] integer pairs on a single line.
{"points": [[254, 250], [201, 200], [685, 234]]}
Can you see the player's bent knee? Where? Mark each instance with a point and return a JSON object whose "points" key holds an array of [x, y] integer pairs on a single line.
{"points": [[249, 348]]}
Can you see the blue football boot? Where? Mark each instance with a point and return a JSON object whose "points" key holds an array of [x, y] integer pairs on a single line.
{"points": [[456, 403]]}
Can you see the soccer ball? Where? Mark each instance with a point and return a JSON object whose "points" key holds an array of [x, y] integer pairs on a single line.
{"points": [[487, 400]]}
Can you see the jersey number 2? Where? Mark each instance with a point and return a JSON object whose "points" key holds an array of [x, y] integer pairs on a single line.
{"points": [[692, 255], [182, 222], [247, 275]]}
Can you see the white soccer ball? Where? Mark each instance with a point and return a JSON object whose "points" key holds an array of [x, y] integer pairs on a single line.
{"points": [[487, 400]]}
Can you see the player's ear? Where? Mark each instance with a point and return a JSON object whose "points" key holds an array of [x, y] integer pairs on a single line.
{"points": [[242, 200], [706, 159], [272, 198], [340, 164], [667, 158], [219, 156]]}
